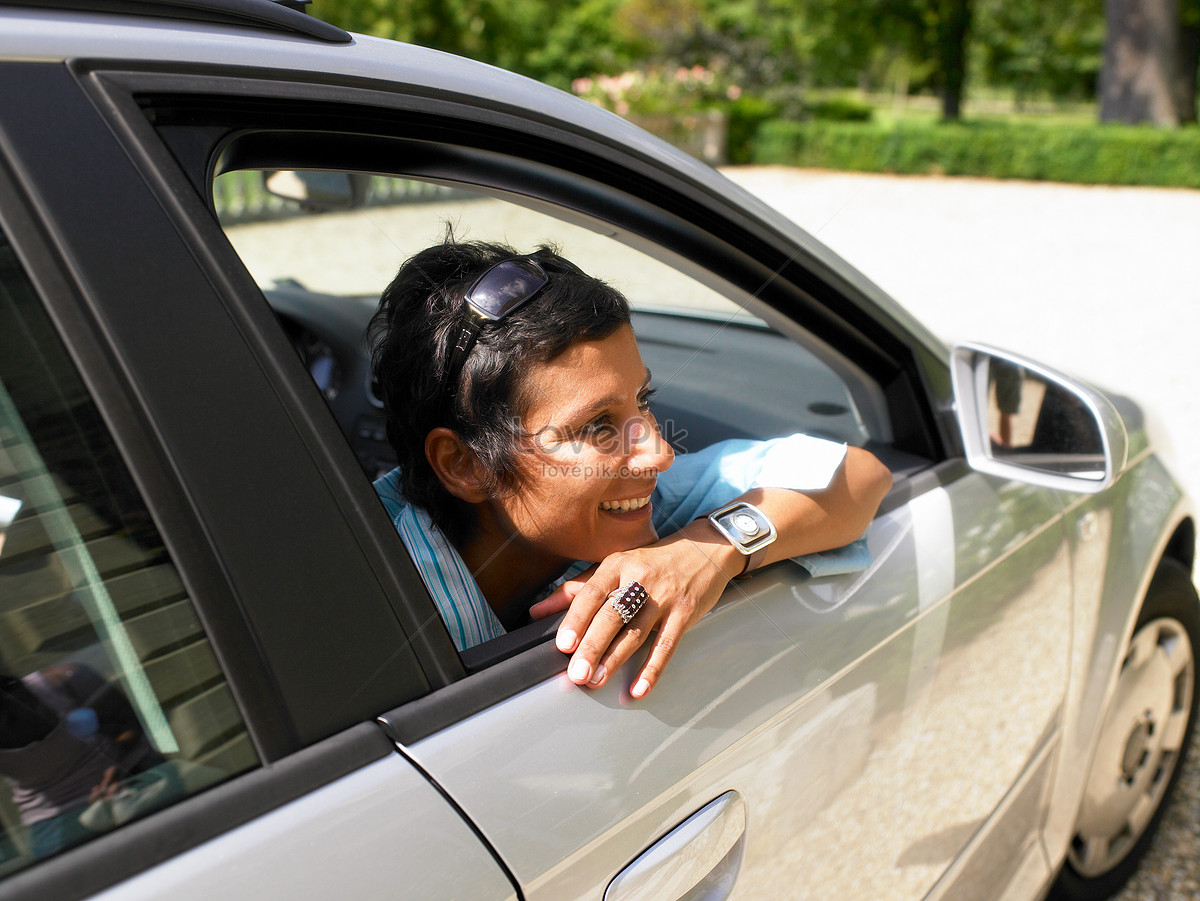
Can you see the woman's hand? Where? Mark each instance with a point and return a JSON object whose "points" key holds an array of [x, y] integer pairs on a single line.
{"points": [[685, 573], [684, 576]]}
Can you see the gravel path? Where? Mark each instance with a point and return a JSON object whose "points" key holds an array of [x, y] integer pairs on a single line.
{"points": [[1099, 282]]}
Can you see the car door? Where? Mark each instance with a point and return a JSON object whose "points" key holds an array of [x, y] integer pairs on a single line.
{"points": [[832, 736], [885, 733], [159, 737]]}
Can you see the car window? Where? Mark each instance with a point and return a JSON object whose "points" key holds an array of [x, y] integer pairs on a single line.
{"points": [[358, 251], [324, 245], [722, 370], [112, 704]]}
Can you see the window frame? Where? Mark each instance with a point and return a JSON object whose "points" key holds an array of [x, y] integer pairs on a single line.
{"points": [[545, 161], [213, 118]]}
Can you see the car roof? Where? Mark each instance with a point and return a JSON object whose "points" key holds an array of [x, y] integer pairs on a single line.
{"points": [[282, 15], [151, 32]]}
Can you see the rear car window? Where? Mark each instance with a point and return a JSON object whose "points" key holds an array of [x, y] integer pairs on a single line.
{"points": [[112, 704]]}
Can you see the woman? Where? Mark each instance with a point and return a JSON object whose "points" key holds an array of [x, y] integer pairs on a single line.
{"points": [[532, 476]]}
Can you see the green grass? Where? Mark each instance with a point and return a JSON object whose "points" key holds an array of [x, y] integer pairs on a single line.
{"points": [[1052, 148]]}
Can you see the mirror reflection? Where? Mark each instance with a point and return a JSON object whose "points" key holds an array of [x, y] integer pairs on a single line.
{"points": [[318, 192], [1039, 424]]}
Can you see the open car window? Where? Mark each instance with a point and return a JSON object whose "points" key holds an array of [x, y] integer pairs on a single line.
{"points": [[726, 365]]}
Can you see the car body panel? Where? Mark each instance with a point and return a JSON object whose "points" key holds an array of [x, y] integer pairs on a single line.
{"points": [[360, 830], [827, 704], [1117, 541]]}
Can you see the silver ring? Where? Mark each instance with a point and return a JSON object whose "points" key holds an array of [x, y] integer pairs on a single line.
{"points": [[627, 600]]}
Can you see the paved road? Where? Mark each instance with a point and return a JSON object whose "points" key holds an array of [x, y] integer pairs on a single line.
{"points": [[1099, 282]]}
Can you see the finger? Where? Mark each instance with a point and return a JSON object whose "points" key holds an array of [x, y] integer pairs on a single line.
{"points": [[561, 597], [556, 602], [588, 600], [607, 624], [628, 639], [585, 668], [660, 654]]}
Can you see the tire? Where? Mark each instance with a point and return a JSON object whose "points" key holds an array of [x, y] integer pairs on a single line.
{"points": [[1146, 733]]}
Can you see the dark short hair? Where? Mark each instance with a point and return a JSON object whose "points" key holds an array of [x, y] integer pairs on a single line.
{"points": [[419, 315]]}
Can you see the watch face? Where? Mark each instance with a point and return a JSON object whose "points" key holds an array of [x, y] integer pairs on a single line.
{"points": [[745, 526], [745, 523]]}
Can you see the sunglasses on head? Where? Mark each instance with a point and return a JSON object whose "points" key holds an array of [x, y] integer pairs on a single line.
{"points": [[499, 291]]}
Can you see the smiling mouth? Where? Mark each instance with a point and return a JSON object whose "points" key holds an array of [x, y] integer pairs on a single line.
{"points": [[625, 506]]}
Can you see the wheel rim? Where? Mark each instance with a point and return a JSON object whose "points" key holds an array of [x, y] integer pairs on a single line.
{"points": [[1139, 746]]}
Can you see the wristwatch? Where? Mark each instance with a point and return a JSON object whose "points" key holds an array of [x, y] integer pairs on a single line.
{"points": [[747, 528]]}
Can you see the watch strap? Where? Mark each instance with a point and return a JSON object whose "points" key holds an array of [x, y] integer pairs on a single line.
{"points": [[753, 562]]}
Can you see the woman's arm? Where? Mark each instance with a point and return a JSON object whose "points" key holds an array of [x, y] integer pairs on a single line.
{"points": [[685, 573]]}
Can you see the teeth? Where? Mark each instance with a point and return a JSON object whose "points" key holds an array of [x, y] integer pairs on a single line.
{"points": [[635, 503]]}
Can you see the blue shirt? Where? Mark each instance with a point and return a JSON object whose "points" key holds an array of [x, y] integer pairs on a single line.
{"points": [[694, 485]]}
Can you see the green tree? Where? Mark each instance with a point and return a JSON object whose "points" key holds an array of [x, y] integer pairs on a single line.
{"points": [[1051, 49], [768, 46], [587, 37], [928, 39], [496, 32]]}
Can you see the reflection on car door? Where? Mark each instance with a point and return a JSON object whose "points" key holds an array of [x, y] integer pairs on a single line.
{"points": [[870, 723], [381, 832]]}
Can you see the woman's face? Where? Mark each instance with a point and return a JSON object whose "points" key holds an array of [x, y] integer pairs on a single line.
{"points": [[594, 455]]}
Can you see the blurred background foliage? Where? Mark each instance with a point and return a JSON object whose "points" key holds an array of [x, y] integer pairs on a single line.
{"points": [[1037, 48], [880, 64]]}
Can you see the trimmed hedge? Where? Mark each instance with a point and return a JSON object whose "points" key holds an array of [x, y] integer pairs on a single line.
{"points": [[1092, 154]]}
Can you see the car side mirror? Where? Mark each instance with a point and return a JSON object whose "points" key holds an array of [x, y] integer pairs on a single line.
{"points": [[1021, 420], [318, 192]]}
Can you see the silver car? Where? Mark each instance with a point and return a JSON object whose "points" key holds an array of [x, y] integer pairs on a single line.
{"points": [[222, 675]]}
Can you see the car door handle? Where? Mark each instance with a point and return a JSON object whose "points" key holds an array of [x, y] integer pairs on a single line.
{"points": [[698, 859]]}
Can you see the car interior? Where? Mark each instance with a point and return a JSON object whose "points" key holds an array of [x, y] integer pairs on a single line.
{"points": [[721, 370]]}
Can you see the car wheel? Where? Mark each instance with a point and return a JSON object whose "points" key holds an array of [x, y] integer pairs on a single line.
{"points": [[1145, 736]]}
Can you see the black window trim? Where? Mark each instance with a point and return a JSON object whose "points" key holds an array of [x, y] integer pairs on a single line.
{"points": [[492, 144], [484, 125], [184, 536]]}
